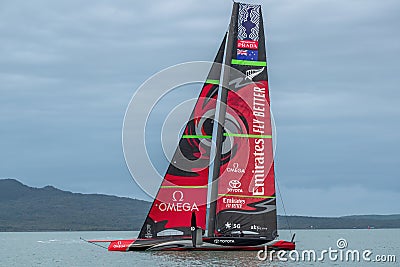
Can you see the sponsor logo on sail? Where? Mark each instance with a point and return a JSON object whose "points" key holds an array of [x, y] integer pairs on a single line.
{"points": [[234, 184], [259, 111], [250, 74], [247, 44], [258, 228], [233, 202], [178, 204], [177, 196], [235, 168], [230, 225]]}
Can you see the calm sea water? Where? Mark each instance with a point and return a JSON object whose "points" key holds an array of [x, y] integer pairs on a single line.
{"points": [[66, 249]]}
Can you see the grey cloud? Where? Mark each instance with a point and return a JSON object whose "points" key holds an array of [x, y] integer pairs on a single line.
{"points": [[69, 68]]}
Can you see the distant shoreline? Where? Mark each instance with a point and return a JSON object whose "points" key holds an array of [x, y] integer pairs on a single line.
{"points": [[48, 209]]}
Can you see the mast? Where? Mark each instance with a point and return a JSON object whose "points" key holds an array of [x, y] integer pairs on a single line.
{"points": [[220, 119]]}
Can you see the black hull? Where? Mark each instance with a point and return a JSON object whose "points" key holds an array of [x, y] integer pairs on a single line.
{"points": [[209, 244], [235, 241]]}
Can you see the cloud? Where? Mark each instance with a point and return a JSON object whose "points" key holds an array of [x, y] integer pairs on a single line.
{"points": [[69, 68], [334, 92]]}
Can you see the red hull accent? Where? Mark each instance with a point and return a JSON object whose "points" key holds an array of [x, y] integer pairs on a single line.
{"points": [[282, 245], [120, 245]]}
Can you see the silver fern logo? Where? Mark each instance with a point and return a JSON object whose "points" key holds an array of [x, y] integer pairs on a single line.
{"points": [[250, 74]]}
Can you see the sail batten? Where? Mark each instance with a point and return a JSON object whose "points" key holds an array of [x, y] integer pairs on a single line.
{"points": [[197, 136], [248, 63], [213, 82], [248, 135], [183, 186]]}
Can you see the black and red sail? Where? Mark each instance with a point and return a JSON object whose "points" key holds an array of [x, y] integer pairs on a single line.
{"points": [[243, 175], [246, 187]]}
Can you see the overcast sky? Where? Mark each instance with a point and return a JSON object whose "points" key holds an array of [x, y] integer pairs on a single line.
{"points": [[69, 68]]}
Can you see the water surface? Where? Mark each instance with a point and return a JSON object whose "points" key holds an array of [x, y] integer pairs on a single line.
{"points": [[66, 249]]}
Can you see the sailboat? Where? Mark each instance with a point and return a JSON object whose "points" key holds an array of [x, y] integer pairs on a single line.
{"points": [[231, 203]]}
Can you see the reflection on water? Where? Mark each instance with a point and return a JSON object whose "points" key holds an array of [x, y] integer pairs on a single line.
{"points": [[203, 258], [66, 249]]}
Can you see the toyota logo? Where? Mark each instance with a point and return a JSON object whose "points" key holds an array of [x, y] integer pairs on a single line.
{"points": [[234, 183]]}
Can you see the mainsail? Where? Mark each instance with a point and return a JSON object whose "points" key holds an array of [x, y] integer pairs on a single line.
{"points": [[246, 187], [182, 196]]}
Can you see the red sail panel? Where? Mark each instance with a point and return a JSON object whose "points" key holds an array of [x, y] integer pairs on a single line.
{"points": [[184, 188], [246, 186]]}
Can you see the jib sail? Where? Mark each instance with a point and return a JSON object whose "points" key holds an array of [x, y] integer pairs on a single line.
{"points": [[183, 192]]}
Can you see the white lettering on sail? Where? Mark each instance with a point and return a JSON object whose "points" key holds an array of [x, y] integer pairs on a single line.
{"points": [[258, 101], [233, 203], [258, 128], [235, 168], [258, 228], [259, 175], [177, 204]]}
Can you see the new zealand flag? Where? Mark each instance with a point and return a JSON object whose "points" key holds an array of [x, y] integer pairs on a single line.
{"points": [[244, 54]]}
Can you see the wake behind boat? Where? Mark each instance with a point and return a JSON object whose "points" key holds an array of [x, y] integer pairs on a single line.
{"points": [[231, 205]]}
